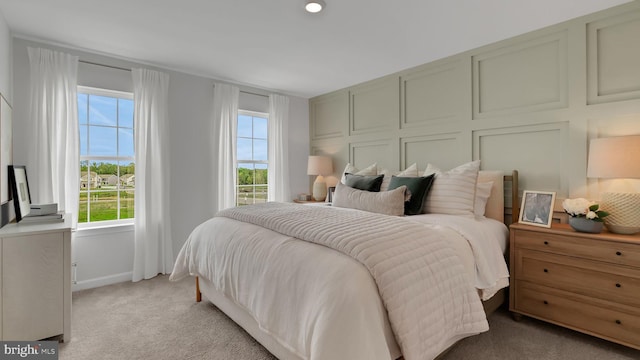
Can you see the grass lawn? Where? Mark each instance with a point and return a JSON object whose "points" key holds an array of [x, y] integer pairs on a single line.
{"points": [[248, 196], [104, 205]]}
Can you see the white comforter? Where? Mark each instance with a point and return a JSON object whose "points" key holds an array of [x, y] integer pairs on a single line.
{"points": [[487, 239], [315, 301]]}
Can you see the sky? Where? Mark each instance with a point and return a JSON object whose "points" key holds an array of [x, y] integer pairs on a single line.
{"points": [[252, 140], [106, 129], [106, 126]]}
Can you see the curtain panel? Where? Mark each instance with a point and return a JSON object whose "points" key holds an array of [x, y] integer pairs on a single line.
{"points": [[225, 120], [278, 175], [54, 164], [153, 244]]}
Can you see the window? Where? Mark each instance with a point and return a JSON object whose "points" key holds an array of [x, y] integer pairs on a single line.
{"points": [[107, 164], [252, 158]]}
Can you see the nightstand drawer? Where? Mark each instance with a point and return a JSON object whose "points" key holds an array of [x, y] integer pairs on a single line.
{"points": [[603, 281], [604, 321], [600, 250]]}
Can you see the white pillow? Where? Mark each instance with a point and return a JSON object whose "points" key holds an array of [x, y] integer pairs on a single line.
{"points": [[388, 202], [411, 171], [350, 169], [454, 191], [483, 191]]}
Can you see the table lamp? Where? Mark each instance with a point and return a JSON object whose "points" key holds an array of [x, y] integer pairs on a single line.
{"points": [[617, 158], [321, 166]]}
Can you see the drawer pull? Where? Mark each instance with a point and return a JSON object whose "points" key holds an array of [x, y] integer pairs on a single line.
{"points": [[618, 253], [545, 270], [545, 302], [618, 285], [546, 243], [618, 322]]}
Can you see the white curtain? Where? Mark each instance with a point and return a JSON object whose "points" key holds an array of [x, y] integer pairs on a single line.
{"points": [[225, 120], [54, 163], [153, 245], [278, 174]]}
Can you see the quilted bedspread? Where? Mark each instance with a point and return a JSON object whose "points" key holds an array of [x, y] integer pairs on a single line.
{"points": [[420, 279]]}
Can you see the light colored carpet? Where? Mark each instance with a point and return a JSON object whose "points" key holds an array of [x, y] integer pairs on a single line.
{"points": [[158, 319]]}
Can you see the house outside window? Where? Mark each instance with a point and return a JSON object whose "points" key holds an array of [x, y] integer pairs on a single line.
{"points": [[252, 158], [107, 162]]}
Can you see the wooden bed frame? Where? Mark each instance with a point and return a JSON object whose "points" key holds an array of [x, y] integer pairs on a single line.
{"points": [[510, 207]]}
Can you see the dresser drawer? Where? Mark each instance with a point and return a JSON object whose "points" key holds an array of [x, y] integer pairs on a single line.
{"points": [[603, 281], [596, 319], [576, 244]]}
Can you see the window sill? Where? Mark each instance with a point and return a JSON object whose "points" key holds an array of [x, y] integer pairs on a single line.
{"points": [[88, 229]]}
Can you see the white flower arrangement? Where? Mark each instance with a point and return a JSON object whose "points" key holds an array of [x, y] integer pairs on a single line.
{"points": [[581, 207]]}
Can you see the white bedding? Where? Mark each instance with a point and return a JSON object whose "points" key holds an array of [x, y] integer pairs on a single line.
{"points": [[487, 239], [328, 310]]}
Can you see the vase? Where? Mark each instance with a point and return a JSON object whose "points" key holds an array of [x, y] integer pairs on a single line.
{"points": [[582, 224]]}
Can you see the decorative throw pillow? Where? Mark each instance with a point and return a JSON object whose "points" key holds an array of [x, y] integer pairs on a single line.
{"points": [[483, 191], [350, 169], [411, 171], [454, 191], [362, 182], [418, 186], [388, 202]]}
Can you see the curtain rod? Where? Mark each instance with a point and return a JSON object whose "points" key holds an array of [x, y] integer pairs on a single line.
{"points": [[250, 93], [103, 65], [125, 69]]}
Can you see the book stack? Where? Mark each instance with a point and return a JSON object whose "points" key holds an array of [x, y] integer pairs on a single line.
{"points": [[32, 219]]}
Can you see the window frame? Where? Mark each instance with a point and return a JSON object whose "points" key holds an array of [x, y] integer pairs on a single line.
{"points": [[254, 162], [118, 159]]}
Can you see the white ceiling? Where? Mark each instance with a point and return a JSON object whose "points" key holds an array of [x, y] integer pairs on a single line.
{"points": [[275, 44]]}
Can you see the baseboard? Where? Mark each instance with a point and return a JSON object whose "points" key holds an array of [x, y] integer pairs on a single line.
{"points": [[102, 281]]}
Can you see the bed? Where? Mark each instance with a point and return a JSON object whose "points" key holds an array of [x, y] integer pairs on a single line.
{"points": [[315, 300]]}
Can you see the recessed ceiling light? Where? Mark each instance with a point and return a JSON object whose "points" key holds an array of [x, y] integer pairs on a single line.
{"points": [[314, 6]]}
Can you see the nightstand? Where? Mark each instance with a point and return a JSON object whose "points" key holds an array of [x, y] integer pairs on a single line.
{"points": [[586, 282], [36, 281]]}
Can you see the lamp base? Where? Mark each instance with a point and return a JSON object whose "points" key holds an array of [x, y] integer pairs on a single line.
{"points": [[624, 230], [624, 212], [319, 189]]}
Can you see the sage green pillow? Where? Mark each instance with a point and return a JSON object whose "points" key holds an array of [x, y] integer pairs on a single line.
{"points": [[364, 182], [418, 187]]}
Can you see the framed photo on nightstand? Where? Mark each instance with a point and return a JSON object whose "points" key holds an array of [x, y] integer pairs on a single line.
{"points": [[19, 186], [330, 192], [537, 208]]}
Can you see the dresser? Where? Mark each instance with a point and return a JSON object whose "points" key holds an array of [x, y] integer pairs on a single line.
{"points": [[586, 282], [35, 279]]}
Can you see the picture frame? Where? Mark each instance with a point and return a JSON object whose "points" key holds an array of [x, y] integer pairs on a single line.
{"points": [[537, 208], [19, 185], [330, 192]]}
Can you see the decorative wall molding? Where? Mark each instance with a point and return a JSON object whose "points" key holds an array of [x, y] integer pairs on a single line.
{"points": [[522, 77], [428, 149], [328, 115], [614, 58], [524, 103], [539, 152], [374, 106], [432, 95], [363, 154]]}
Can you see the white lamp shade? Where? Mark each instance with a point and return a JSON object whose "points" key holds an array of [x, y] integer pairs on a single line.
{"points": [[319, 165], [617, 157], [614, 157]]}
